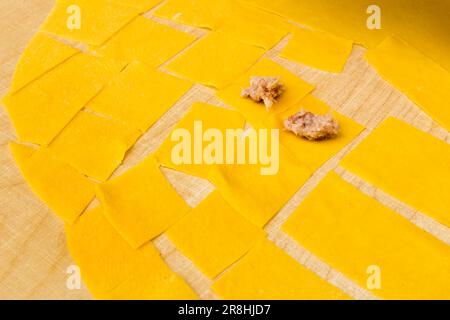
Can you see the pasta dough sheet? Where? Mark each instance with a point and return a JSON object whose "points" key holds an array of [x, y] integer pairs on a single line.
{"points": [[318, 49], [259, 197], [113, 270], [268, 273], [214, 236], [146, 41], [98, 20], [198, 13], [352, 232], [254, 26], [58, 96], [66, 192], [256, 113], [94, 145], [423, 81], [199, 119], [426, 26], [139, 96], [141, 204], [391, 157], [314, 154], [42, 54], [215, 60]]}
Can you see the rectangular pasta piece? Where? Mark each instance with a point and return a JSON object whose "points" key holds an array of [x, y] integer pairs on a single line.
{"points": [[314, 154], [94, 145], [407, 163], [255, 112], [141, 204], [142, 5], [256, 196], [426, 84], [146, 41], [215, 60], [213, 235], [198, 13], [113, 270], [139, 96], [87, 21], [268, 273], [42, 54], [201, 118], [65, 191], [44, 107], [371, 244], [318, 49]]}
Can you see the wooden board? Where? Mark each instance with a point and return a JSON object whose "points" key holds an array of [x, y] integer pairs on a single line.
{"points": [[33, 254]]}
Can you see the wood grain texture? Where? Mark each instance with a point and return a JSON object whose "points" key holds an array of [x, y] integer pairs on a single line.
{"points": [[33, 254]]}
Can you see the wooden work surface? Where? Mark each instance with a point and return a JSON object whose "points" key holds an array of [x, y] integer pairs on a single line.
{"points": [[33, 253]]}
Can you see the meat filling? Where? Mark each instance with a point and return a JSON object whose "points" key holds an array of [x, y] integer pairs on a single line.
{"points": [[311, 126], [264, 89]]}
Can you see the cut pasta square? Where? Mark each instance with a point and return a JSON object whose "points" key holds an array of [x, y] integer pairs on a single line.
{"points": [[213, 235]]}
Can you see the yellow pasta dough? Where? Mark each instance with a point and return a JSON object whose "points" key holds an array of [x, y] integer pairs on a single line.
{"points": [[314, 153], [213, 235], [318, 49], [141, 203], [408, 164], [215, 60], [94, 145], [87, 21], [139, 96], [254, 26], [113, 270], [143, 5], [268, 273], [200, 118], [42, 109], [146, 41], [426, 26], [42, 54], [426, 83], [370, 243], [199, 13], [254, 112], [61, 187], [256, 196]]}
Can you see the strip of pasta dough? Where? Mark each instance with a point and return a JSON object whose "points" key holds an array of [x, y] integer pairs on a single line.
{"points": [[407, 163], [213, 235], [141, 204], [201, 116], [268, 273], [139, 96], [146, 41], [370, 243], [215, 60], [87, 21], [313, 154], [42, 54], [58, 96], [423, 81], [256, 196]]}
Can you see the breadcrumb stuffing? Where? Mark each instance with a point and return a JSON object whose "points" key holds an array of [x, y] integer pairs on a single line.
{"points": [[264, 89], [311, 126]]}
